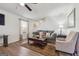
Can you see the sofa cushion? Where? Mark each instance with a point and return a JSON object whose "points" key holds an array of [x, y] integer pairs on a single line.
{"points": [[48, 34], [60, 39]]}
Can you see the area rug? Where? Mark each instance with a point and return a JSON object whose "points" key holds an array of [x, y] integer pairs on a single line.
{"points": [[48, 50]]}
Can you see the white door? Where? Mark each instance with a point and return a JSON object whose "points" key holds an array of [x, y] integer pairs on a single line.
{"points": [[24, 29]]}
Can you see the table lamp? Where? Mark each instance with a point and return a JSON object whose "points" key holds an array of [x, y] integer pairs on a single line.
{"points": [[60, 27]]}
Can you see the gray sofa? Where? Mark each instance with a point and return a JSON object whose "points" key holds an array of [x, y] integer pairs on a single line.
{"points": [[52, 39]]}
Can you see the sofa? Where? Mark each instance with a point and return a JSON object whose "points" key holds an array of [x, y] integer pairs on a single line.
{"points": [[52, 38], [49, 35]]}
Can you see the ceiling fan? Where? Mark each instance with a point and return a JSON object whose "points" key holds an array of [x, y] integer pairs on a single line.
{"points": [[27, 6]]}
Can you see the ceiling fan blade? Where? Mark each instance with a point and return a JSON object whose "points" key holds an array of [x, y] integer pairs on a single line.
{"points": [[28, 7]]}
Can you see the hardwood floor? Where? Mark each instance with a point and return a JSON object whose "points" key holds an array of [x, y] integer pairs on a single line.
{"points": [[15, 49]]}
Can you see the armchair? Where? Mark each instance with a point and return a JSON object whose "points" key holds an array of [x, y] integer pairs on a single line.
{"points": [[68, 45]]}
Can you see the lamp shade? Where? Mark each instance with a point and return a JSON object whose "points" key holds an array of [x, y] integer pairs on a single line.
{"points": [[61, 26]]}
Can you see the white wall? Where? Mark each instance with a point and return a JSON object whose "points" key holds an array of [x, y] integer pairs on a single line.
{"points": [[48, 24], [11, 27]]}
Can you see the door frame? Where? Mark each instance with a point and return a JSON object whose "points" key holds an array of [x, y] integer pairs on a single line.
{"points": [[20, 37]]}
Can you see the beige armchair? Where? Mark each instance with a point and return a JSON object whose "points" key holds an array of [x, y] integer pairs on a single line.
{"points": [[68, 45]]}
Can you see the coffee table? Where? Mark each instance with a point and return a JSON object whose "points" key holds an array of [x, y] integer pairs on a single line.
{"points": [[40, 43]]}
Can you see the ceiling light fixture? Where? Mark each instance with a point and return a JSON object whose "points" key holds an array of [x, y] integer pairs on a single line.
{"points": [[22, 4]]}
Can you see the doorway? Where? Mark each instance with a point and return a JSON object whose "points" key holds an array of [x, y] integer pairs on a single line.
{"points": [[23, 29]]}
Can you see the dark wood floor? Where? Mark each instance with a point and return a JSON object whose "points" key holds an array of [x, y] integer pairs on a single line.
{"points": [[15, 49]]}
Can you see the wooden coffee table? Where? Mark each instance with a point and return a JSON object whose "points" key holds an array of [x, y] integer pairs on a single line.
{"points": [[40, 43]]}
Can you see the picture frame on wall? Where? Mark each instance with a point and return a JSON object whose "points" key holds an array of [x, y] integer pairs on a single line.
{"points": [[71, 19]]}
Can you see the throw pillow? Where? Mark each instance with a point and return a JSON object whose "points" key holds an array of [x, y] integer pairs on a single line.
{"points": [[47, 34]]}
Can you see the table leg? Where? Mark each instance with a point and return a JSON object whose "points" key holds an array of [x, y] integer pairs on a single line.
{"points": [[28, 40]]}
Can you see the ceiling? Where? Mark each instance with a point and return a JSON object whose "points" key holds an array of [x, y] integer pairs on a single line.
{"points": [[39, 10]]}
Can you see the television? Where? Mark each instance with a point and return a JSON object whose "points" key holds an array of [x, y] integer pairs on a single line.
{"points": [[2, 19]]}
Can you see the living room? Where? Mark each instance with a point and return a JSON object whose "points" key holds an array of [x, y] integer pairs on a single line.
{"points": [[45, 26], [56, 21]]}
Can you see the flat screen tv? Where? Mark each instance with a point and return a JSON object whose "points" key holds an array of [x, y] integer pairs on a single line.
{"points": [[2, 19]]}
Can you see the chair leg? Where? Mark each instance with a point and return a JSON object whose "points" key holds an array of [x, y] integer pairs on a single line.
{"points": [[75, 53]]}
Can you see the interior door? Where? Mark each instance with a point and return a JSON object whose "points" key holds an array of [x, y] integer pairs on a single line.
{"points": [[23, 29]]}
